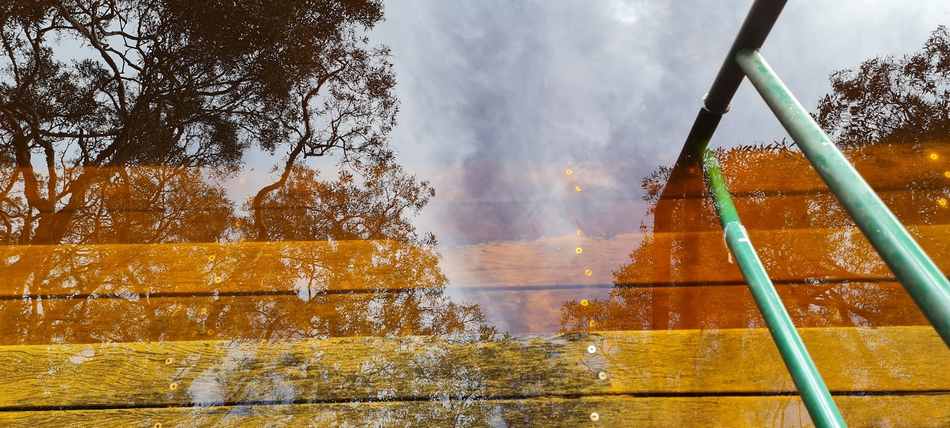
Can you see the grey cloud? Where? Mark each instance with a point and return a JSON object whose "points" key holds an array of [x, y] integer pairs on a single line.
{"points": [[507, 94]]}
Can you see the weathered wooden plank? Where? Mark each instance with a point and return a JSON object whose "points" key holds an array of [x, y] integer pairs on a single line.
{"points": [[919, 411], [517, 311], [706, 362]]}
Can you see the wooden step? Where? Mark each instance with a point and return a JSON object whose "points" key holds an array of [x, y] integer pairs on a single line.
{"points": [[883, 166], [801, 210], [835, 254], [714, 370], [419, 312]]}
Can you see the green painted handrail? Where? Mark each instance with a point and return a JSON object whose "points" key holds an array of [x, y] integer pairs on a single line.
{"points": [[923, 280], [823, 411]]}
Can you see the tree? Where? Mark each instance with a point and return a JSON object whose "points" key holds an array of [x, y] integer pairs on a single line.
{"points": [[895, 100], [372, 202], [883, 105], [183, 84]]}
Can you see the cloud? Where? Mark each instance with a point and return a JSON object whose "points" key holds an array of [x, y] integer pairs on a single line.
{"points": [[498, 98]]}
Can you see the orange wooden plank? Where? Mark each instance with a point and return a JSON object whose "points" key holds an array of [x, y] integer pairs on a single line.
{"points": [[802, 211], [883, 166], [431, 311], [840, 254], [212, 268]]}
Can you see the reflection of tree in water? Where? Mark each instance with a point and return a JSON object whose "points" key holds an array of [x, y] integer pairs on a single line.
{"points": [[888, 112], [182, 84], [123, 142]]}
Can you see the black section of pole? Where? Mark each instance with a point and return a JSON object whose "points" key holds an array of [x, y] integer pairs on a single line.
{"points": [[756, 27], [686, 177]]}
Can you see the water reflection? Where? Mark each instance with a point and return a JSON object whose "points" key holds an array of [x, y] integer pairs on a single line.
{"points": [[122, 124], [890, 115], [113, 154], [342, 239]]}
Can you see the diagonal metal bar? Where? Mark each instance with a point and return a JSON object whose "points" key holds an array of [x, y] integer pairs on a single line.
{"points": [[913, 268], [686, 177], [815, 395]]}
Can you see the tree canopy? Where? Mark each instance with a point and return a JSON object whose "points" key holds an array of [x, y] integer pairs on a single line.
{"points": [[90, 87]]}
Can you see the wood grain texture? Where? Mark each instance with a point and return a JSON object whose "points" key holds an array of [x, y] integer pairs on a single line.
{"points": [[918, 411], [707, 362]]}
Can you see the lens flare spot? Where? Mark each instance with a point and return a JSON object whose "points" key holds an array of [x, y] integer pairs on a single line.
{"points": [[578, 189], [569, 172], [578, 250], [933, 156], [946, 174], [588, 272], [173, 386], [943, 202], [585, 302]]}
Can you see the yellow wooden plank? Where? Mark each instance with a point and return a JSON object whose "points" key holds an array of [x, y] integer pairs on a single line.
{"points": [[918, 411], [411, 368]]}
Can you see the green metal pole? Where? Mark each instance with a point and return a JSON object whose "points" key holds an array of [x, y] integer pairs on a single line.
{"points": [[914, 269], [823, 411]]}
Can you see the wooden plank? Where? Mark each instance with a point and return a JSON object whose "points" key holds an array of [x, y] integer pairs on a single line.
{"points": [[788, 255], [919, 411], [883, 166], [516, 311], [258, 317], [802, 211], [145, 269], [715, 307], [837, 254], [704, 362]]}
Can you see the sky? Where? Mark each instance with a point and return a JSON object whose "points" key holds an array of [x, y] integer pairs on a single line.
{"points": [[499, 99]]}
